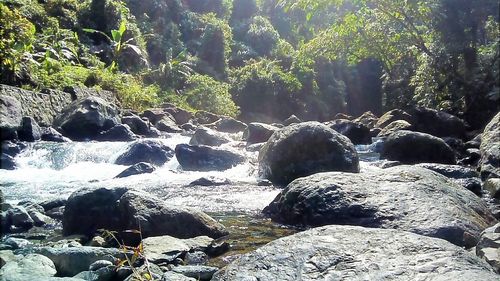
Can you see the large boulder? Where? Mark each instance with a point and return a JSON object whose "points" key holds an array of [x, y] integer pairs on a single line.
{"points": [[120, 132], [206, 136], [229, 125], [180, 115], [205, 158], [438, 123], [303, 149], [70, 261], [149, 151], [258, 132], [488, 247], [403, 197], [51, 134], [490, 149], [29, 131], [154, 217], [464, 176], [10, 117], [356, 253], [29, 267], [86, 118], [356, 132], [88, 210], [393, 115], [7, 162], [136, 124], [412, 147]]}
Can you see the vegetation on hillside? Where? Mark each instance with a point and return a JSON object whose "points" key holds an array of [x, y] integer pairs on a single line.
{"points": [[261, 59]]}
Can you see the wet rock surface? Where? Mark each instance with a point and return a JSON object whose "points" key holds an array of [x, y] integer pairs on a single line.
{"points": [[149, 151], [403, 197]]}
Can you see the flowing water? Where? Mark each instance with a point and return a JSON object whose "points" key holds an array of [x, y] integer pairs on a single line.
{"points": [[48, 170]]}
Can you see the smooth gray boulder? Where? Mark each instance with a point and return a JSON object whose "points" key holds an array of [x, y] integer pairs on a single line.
{"points": [[199, 272], [403, 197], [90, 209], [357, 253], [464, 176], [7, 162], [29, 267], [206, 136], [303, 149], [149, 151], [438, 123], [205, 158], [229, 125], [51, 134], [412, 147], [166, 248], [119, 132], [73, 260], [86, 118], [394, 115], [136, 124], [356, 132], [490, 149], [258, 132], [488, 247]]}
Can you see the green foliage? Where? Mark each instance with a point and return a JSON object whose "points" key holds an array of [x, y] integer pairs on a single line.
{"points": [[263, 87], [16, 42], [262, 36], [206, 93]]}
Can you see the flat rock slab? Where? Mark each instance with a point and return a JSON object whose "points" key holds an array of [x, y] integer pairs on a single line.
{"points": [[402, 197], [357, 253]]}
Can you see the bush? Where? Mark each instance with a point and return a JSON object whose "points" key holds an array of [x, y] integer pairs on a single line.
{"points": [[206, 93]]}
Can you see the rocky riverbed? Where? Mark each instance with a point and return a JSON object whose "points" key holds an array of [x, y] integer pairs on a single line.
{"points": [[90, 191]]}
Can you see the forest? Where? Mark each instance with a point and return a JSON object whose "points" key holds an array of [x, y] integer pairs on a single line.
{"points": [[262, 59]]}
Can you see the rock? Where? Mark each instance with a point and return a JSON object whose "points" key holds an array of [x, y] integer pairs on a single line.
{"points": [[203, 117], [137, 169], [412, 147], [118, 209], [154, 115], [180, 115], [210, 181], [291, 120], [167, 124], [160, 249], [149, 151], [2, 198], [10, 117], [11, 148], [50, 134], [99, 264], [88, 210], [29, 130], [73, 260], [394, 115], [97, 241], [136, 124], [196, 258], [438, 123], [303, 149], [119, 132], [368, 119], [7, 162], [490, 149], [86, 118], [172, 276], [256, 147], [19, 217], [209, 137], [394, 127], [188, 127], [56, 213], [488, 247], [493, 187], [17, 243], [205, 158], [403, 197], [53, 203], [450, 171], [258, 132], [29, 267], [229, 125], [356, 132], [107, 273], [199, 272], [357, 253], [156, 218], [343, 116], [39, 219]]}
